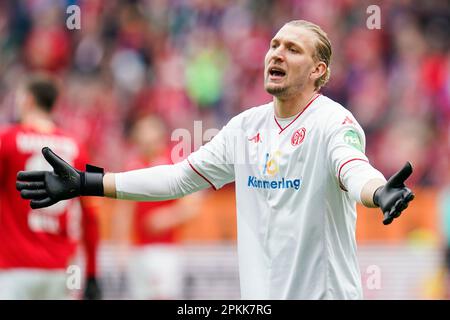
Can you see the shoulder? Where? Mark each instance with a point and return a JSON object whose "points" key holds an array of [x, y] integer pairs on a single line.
{"points": [[331, 108], [251, 115], [7, 130], [63, 134], [334, 114]]}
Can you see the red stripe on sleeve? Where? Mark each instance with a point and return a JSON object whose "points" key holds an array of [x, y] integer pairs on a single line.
{"points": [[196, 171], [340, 168]]}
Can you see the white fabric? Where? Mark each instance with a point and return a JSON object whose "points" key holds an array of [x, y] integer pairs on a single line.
{"points": [[355, 176], [296, 224], [351, 165], [159, 183], [33, 284]]}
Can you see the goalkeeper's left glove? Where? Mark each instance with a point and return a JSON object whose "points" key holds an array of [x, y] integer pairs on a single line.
{"points": [[394, 196]]}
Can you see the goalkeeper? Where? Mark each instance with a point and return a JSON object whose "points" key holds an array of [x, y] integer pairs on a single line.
{"points": [[299, 167]]}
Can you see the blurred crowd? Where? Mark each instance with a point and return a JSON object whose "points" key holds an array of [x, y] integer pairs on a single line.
{"points": [[189, 60]]}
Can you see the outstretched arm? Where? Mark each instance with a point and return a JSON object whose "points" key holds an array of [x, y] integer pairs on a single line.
{"points": [[45, 188], [355, 174]]}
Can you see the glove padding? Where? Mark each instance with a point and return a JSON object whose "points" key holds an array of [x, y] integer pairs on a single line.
{"points": [[394, 196], [46, 188], [92, 290]]}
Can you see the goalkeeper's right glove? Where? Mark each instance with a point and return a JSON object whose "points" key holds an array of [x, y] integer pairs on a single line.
{"points": [[46, 188]]}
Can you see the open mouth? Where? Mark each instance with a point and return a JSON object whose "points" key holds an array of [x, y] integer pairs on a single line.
{"points": [[276, 73]]}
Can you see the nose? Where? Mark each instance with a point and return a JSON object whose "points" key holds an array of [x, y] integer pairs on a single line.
{"points": [[277, 55]]}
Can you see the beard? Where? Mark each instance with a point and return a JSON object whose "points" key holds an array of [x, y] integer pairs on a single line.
{"points": [[276, 91], [286, 90]]}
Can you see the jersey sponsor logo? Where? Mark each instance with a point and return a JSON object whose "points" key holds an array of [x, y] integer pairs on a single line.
{"points": [[351, 137], [283, 183], [271, 166], [298, 137], [256, 138], [270, 169]]}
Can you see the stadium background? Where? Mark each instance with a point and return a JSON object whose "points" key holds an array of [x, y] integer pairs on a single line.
{"points": [[203, 60]]}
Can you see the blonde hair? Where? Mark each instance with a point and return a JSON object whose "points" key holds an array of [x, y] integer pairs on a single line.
{"points": [[323, 48]]}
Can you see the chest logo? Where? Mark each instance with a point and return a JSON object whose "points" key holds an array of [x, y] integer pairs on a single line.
{"points": [[298, 136]]}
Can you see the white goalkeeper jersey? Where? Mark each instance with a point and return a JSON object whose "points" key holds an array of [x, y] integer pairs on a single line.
{"points": [[296, 222]]}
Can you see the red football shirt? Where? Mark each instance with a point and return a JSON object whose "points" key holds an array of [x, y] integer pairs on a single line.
{"points": [[44, 238]]}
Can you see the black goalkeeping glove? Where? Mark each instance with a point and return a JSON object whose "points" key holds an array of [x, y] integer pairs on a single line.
{"points": [[394, 196], [46, 188]]}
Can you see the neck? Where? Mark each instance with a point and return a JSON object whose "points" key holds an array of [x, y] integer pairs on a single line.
{"points": [[288, 107], [38, 121]]}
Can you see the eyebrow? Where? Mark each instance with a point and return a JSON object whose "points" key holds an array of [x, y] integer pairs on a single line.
{"points": [[288, 43]]}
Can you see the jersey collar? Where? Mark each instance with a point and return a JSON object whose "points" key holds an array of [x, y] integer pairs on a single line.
{"points": [[309, 103]]}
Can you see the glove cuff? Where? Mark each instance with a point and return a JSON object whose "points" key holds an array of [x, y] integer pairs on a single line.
{"points": [[376, 196], [92, 181]]}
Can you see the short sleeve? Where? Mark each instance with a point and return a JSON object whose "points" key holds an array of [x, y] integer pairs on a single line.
{"points": [[214, 161]]}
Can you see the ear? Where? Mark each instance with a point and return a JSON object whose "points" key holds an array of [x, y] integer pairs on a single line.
{"points": [[319, 70]]}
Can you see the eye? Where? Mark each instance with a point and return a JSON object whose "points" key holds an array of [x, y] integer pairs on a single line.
{"points": [[293, 50], [273, 45]]}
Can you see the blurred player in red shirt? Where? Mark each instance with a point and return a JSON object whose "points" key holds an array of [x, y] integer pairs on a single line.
{"points": [[36, 246], [154, 269]]}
